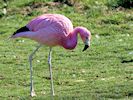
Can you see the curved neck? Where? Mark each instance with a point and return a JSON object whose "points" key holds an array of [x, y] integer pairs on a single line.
{"points": [[71, 39]]}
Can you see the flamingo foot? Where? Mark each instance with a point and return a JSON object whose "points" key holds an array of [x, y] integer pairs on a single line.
{"points": [[53, 94], [33, 94]]}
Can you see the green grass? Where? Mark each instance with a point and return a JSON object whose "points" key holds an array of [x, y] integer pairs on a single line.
{"points": [[105, 71]]}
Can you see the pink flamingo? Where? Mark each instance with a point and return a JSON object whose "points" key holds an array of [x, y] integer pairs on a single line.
{"points": [[52, 30]]}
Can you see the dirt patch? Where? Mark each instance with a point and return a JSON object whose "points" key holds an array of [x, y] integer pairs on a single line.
{"points": [[35, 6], [39, 6], [127, 61], [2, 77]]}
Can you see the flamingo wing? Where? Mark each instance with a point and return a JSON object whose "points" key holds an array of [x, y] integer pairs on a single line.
{"points": [[54, 22]]}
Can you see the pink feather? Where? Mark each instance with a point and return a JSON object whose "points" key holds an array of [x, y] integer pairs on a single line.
{"points": [[53, 30]]}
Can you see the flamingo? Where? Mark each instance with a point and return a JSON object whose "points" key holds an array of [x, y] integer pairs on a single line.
{"points": [[52, 30]]}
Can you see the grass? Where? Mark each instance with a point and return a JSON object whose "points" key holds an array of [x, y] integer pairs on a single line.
{"points": [[103, 72]]}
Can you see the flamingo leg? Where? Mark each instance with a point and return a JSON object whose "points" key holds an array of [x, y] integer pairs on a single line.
{"points": [[32, 92], [50, 70]]}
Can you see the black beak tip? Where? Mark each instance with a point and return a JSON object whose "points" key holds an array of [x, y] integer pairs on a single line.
{"points": [[85, 47]]}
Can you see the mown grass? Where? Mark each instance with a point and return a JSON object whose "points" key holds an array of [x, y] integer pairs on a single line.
{"points": [[105, 71]]}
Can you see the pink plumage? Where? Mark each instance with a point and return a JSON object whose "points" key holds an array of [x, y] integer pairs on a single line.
{"points": [[52, 30]]}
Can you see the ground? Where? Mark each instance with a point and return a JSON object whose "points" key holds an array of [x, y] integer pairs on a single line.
{"points": [[105, 71]]}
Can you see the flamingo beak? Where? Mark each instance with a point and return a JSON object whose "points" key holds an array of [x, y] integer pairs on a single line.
{"points": [[87, 44]]}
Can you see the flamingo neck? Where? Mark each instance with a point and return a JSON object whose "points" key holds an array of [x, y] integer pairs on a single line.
{"points": [[71, 39]]}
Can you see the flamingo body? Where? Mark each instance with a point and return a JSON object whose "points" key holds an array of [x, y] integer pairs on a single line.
{"points": [[52, 30]]}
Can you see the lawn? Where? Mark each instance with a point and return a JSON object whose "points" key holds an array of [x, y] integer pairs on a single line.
{"points": [[105, 71]]}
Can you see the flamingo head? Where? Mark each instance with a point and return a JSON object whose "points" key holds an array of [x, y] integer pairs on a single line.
{"points": [[86, 37]]}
